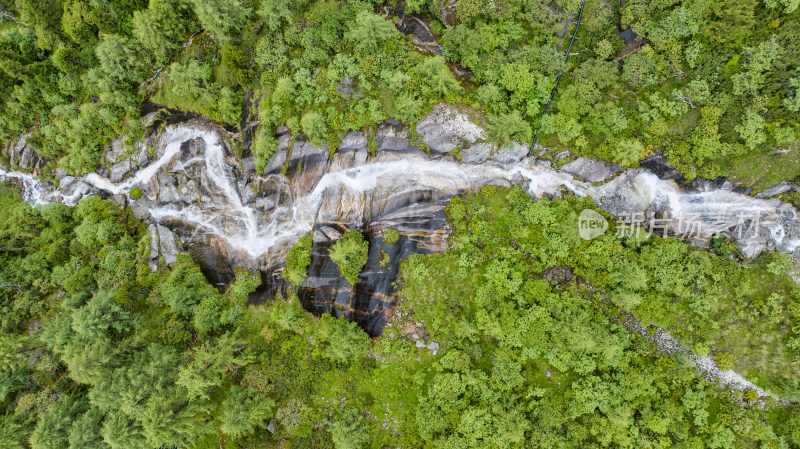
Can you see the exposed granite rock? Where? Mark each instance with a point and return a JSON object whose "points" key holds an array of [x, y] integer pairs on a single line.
{"points": [[307, 165], [8, 152], [168, 193], [120, 199], [512, 154], [476, 154], [191, 149], [660, 166], [447, 128], [28, 159], [562, 155], [592, 170], [168, 245], [709, 185], [394, 145], [326, 234], [121, 170], [142, 156], [154, 243], [114, 154], [423, 38], [249, 166], [17, 148], [751, 245], [351, 152], [72, 189], [278, 159], [783, 187], [198, 201], [353, 141], [448, 14]]}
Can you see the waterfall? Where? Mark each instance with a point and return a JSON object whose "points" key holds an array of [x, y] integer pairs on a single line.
{"points": [[335, 194], [32, 188]]}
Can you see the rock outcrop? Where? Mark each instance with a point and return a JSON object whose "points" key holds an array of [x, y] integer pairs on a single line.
{"points": [[591, 170]]}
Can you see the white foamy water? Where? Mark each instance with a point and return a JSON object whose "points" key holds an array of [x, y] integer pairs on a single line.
{"points": [[256, 233], [175, 138], [703, 213], [283, 225], [32, 188]]}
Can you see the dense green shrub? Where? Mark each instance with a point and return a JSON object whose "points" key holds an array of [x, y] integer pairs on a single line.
{"points": [[391, 236], [135, 193], [350, 255], [297, 261]]}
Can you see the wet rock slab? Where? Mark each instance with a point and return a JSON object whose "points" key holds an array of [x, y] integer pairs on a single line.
{"points": [[591, 170]]}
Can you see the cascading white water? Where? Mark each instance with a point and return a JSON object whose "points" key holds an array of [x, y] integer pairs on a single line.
{"points": [[32, 188], [176, 138], [709, 213], [258, 232], [286, 224]]}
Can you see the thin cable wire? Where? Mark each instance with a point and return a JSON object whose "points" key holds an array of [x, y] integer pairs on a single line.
{"points": [[553, 92]]}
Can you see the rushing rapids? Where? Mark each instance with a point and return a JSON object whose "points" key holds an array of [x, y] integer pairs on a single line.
{"points": [[225, 214]]}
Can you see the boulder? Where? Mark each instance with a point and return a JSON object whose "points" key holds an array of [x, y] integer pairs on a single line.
{"points": [[307, 165], [448, 14], [121, 170], [142, 156], [18, 148], [423, 37], [752, 247], [476, 154], [168, 193], [353, 140], [191, 149], [592, 170], [394, 145], [168, 245], [660, 167], [512, 154], [447, 128], [783, 187], [352, 152], [28, 158], [120, 199], [326, 234], [114, 154], [249, 166]]}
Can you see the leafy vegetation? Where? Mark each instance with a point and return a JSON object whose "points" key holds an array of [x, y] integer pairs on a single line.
{"points": [[349, 253], [391, 236], [529, 317], [101, 352], [714, 106], [135, 193], [532, 323], [297, 261]]}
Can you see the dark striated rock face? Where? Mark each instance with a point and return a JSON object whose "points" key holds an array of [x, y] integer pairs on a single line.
{"points": [[422, 226]]}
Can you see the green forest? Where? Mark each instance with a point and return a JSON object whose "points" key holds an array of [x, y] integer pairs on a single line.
{"points": [[531, 324], [98, 351], [712, 85]]}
